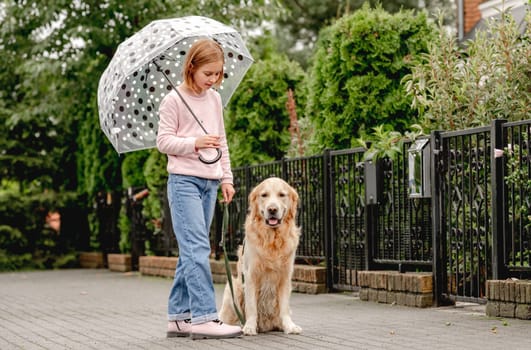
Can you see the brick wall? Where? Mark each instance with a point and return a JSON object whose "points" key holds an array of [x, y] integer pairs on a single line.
{"points": [[119, 262], [306, 279], [391, 287], [157, 265], [509, 298], [471, 14], [91, 260]]}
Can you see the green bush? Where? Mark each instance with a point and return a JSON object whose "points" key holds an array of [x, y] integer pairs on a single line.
{"points": [[14, 262], [457, 87], [25, 239], [143, 170], [156, 177], [133, 169], [133, 178], [257, 120], [12, 240], [354, 83]]}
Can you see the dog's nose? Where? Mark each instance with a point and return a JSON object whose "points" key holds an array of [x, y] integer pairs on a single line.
{"points": [[272, 210]]}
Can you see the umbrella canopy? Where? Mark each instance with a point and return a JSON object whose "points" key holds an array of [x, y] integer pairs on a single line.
{"points": [[146, 65]]}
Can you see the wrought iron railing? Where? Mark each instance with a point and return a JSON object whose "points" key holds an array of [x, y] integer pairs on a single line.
{"points": [[466, 209], [403, 235], [306, 176], [348, 217], [358, 214], [517, 203]]}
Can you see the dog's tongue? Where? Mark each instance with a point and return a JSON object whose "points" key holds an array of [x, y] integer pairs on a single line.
{"points": [[273, 222]]}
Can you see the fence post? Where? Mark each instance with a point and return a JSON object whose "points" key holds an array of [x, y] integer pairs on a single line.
{"points": [[439, 258], [328, 235], [373, 192], [139, 232], [498, 200], [247, 180], [284, 168], [108, 205]]}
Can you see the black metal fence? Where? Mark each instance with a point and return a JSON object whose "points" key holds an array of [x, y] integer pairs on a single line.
{"points": [[515, 208], [464, 210], [470, 222], [481, 207], [307, 177]]}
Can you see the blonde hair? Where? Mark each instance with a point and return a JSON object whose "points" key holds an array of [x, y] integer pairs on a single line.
{"points": [[203, 51]]}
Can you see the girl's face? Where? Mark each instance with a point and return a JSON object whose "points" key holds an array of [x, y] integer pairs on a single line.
{"points": [[207, 75]]}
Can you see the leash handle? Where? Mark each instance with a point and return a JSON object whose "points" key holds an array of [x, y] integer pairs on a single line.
{"points": [[224, 230]]}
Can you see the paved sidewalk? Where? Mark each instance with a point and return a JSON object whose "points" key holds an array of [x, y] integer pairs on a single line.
{"points": [[99, 309]]}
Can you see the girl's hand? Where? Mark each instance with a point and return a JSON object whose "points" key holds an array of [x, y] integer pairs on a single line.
{"points": [[228, 192], [207, 141]]}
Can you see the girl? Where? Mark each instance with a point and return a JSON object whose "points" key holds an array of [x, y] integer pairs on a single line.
{"points": [[193, 187]]}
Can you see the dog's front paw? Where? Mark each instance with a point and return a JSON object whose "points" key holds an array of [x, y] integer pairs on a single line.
{"points": [[292, 328], [249, 329]]}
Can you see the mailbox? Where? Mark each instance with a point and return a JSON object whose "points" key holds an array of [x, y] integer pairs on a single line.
{"points": [[419, 177]]}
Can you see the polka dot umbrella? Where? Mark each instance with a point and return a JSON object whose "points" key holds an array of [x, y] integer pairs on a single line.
{"points": [[146, 65]]}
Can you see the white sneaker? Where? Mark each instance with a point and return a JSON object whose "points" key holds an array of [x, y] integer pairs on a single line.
{"points": [[179, 329], [215, 330]]}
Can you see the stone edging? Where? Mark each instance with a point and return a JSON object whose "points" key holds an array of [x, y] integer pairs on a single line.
{"points": [[509, 298], [306, 279], [391, 287]]}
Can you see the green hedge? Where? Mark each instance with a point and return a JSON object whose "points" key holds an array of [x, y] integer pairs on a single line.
{"points": [[26, 241], [354, 83]]}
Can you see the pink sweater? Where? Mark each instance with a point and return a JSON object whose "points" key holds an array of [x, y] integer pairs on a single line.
{"points": [[178, 131]]}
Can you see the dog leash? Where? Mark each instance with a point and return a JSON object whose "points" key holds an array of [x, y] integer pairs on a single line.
{"points": [[224, 229]]}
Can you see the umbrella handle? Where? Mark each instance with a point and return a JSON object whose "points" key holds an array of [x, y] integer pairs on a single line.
{"points": [[211, 161]]}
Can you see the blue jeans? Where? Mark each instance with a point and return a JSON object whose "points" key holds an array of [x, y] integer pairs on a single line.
{"points": [[192, 201]]}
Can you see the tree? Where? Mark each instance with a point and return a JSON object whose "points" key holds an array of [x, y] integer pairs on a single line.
{"points": [[354, 83], [299, 29], [31, 139]]}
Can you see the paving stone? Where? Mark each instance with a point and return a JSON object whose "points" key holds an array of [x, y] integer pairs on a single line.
{"points": [[99, 309]]}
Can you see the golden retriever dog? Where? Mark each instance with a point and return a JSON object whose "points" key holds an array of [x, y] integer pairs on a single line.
{"points": [[265, 261]]}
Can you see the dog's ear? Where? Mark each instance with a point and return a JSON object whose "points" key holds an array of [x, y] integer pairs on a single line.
{"points": [[294, 198], [253, 202]]}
